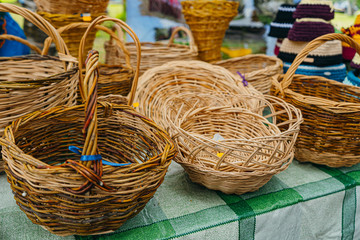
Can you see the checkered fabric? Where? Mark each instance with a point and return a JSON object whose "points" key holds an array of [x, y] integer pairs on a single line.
{"points": [[305, 201]]}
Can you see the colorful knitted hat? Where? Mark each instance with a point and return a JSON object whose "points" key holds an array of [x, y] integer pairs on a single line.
{"points": [[307, 29], [314, 9], [329, 53], [335, 72], [284, 20], [352, 80], [355, 63], [277, 46]]}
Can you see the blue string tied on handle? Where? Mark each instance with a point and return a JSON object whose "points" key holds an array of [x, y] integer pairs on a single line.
{"points": [[96, 157], [245, 83]]}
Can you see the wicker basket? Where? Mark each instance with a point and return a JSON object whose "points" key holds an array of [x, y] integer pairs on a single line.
{"points": [[114, 79], [34, 82], [234, 148], [72, 37], [331, 110], [72, 6], [92, 194], [177, 78], [153, 54], [258, 69], [208, 21]]}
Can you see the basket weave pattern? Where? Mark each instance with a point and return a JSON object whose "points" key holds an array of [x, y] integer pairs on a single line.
{"points": [[72, 6], [208, 21], [257, 68], [331, 110]]}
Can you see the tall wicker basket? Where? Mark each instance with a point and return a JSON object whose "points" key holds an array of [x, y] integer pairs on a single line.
{"points": [[331, 129], [208, 21], [152, 53], [257, 69], [124, 160], [72, 6], [34, 82]]}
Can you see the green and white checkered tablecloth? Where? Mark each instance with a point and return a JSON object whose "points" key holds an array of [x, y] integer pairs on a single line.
{"points": [[303, 202]]}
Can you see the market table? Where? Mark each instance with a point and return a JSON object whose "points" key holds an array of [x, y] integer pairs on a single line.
{"points": [[304, 202]]}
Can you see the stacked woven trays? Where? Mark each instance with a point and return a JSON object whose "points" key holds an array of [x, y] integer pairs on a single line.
{"points": [[62, 13], [208, 21], [34, 82]]}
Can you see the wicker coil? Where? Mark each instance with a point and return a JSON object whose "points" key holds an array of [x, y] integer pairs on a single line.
{"points": [[152, 53], [177, 78], [92, 194], [331, 110], [72, 6], [249, 149], [208, 21], [258, 69], [72, 37], [34, 82], [114, 79]]}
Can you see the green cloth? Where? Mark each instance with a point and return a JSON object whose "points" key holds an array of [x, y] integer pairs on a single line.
{"points": [[305, 201]]}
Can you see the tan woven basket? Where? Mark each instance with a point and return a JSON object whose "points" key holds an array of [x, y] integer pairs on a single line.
{"points": [[234, 148], [34, 82], [177, 78], [92, 194], [153, 54], [114, 79], [331, 128], [208, 21], [73, 36], [258, 69], [72, 6]]}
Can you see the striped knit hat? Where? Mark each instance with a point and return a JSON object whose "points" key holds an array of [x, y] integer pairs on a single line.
{"points": [[284, 20], [315, 9], [329, 53], [355, 63], [307, 29]]}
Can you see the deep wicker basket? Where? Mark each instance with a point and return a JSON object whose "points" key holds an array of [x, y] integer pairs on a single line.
{"points": [[178, 78], [153, 54], [34, 82], [258, 69], [92, 194], [331, 110], [235, 148], [208, 21], [72, 6]]}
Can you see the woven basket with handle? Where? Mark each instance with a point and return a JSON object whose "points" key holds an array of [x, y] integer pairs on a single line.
{"points": [[208, 21], [257, 69], [33, 82], [152, 53], [115, 78], [234, 147], [331, 110], [70, 191]]}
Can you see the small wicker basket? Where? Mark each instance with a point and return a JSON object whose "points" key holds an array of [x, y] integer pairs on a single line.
{"points": [[72, 6], [97, 193], [208, 21], [331, 110], [258, 69], [34, 82], [235, 148], [152, 54]]}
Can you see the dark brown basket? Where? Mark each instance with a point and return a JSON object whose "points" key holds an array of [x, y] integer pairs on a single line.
{"points": [[69, 196]]}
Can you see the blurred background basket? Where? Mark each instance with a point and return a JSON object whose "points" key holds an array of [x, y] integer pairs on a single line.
{"points": [[124, 160], [178, 78], [33, 82], [235, 148], [258, 69], [72, 6], [152, 53], [331, 129], [208, 21]]}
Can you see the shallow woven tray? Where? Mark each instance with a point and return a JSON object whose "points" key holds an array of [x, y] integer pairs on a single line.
{"points": [[258, 69]]}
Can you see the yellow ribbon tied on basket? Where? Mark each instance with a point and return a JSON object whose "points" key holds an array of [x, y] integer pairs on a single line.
{"points": [[136, 104], [218, 137]]}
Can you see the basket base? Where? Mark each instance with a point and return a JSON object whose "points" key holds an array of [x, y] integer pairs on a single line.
{"points": [[328, 159]]}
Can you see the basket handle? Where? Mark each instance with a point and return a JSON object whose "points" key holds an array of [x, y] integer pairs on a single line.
{"points": [[41, 23], [289, 75], [192, 44], [70, 26], [126, 27], [20, 40]]}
